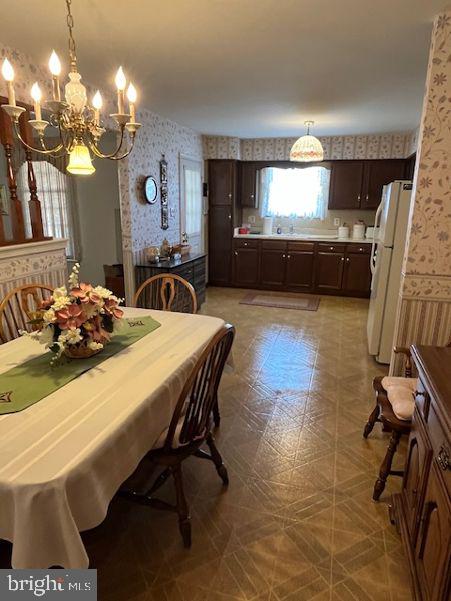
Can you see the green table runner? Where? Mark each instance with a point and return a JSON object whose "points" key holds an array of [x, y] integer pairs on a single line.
{"points": [[35, 379]]}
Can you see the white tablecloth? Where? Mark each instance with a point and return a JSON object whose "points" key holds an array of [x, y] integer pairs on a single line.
{"points": [[63, 459]]}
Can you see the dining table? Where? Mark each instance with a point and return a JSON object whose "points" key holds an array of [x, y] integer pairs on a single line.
{"points": [[63, 459]]}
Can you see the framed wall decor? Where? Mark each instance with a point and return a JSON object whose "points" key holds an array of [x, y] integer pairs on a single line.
{"points": [[164, 193]]}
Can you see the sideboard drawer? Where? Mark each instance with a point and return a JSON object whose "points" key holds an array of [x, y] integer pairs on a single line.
{"points": [[331, 248]]}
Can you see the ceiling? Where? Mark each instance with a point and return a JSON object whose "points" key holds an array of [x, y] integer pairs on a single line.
{"points": [[248, 68]]}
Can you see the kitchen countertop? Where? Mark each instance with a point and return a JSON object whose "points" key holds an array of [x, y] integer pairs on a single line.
{"points": [[305, 238]]}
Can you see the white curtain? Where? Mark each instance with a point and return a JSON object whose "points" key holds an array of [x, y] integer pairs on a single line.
{"points": [[56, 195], [301, 192]]}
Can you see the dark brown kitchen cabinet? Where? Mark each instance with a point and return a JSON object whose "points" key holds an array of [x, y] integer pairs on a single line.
{"points": [[329, 267], [272, 264], [245, 263], [247, 178], [376, 175], [300, 265], [221, 182], [346, 185], [356, 274], [220, 229]]}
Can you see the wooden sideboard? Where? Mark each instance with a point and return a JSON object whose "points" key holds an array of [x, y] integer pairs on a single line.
{"points": [[190, 267], [422, 511]]}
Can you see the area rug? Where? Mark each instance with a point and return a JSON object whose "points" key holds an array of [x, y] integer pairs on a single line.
{"points": [[285, 300]]}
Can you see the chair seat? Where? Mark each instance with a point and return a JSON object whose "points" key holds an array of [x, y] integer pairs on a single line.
{"points": [[400, 393]]}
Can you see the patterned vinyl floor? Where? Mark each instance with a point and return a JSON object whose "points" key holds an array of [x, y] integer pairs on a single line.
{"points": [[297, 522]]}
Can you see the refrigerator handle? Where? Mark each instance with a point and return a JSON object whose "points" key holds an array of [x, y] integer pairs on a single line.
{"points": [[373, 245]]}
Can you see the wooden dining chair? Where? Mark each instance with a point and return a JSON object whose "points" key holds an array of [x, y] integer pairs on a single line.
{"points": [[166, 292], [189, 429], [20, 306]]}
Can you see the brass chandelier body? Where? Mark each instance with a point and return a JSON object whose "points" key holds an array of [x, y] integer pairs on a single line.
{"points": [[78, 123]]}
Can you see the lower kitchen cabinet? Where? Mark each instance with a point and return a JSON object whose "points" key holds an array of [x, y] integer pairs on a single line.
{"points": [[337, 268], [300, 266], [245, 266], [356, 274], [272, 264], [329, 268]]}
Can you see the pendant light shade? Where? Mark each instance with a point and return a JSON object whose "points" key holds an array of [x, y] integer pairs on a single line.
{"points": [[307, 148], [80, 161]]}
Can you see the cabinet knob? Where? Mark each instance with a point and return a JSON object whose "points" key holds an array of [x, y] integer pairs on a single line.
{"points": [[230, 195], [331, 248], [252, 196], [288, 256], [236, 253], [366, 198], [245, 244], [230, 216], [347, 259], [358, 197], [283, 256], [342, 258], [361, 250]]}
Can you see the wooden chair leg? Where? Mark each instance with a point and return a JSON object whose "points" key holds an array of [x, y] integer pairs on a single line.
{"points": [[216, 414], [182, 507], [386, 465], [374, 416], [217, 460]]}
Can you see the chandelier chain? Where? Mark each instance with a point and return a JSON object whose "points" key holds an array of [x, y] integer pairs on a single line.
{"points": [[70, 26]]}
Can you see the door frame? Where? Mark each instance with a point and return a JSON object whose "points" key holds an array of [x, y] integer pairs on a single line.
{"points": [[198, 161]]}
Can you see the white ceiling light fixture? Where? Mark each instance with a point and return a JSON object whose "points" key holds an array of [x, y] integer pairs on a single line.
{"points": [[79, 125], [307, 148]]}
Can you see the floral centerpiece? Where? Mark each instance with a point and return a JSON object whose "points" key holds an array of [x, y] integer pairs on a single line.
{"points": [[78, 320]]}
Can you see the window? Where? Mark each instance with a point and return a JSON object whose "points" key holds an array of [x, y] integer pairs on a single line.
{"points": [[55, 192], [301, 192], [191, 202]]}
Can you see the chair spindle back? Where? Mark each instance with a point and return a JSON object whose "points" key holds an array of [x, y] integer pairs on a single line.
{"points": [[19, 307], [166, 292]]}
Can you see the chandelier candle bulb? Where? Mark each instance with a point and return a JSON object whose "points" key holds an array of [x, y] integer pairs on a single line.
{"points": [[8, 76], [131, 95], [120, 84], [36, 94], [55, 70], [97, 104]]}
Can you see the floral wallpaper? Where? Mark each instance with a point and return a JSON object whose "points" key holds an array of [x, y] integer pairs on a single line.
{"points": [[429, 248], [424, 308], [376, 146]]}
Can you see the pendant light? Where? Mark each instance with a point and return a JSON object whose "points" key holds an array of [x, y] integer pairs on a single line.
{"points": [[307, 148]]}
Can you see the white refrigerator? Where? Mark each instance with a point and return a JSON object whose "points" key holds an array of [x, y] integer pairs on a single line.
{"points": [[387, 254]]}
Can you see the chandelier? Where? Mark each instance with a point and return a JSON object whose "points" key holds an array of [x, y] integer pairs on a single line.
{"points": [[307, 148], [79, 125]]}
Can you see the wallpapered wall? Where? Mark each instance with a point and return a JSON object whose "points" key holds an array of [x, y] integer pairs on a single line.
{"points": [[157, 136], [424, 309], [377, 146]]}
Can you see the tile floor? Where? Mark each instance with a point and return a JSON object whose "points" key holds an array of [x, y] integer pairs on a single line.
{"points": [[297, 522]]}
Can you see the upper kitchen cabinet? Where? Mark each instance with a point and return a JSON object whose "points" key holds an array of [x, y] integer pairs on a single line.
{"points": [[247, 184], [358, 184], [222, 182], [346, 185], [377, 174]]}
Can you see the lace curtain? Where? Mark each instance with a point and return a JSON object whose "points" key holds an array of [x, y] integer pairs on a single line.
{"points": [[301, 192]]}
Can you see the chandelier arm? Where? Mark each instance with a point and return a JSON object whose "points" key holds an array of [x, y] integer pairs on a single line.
{"points": [[42, 150], [112, 155]]}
